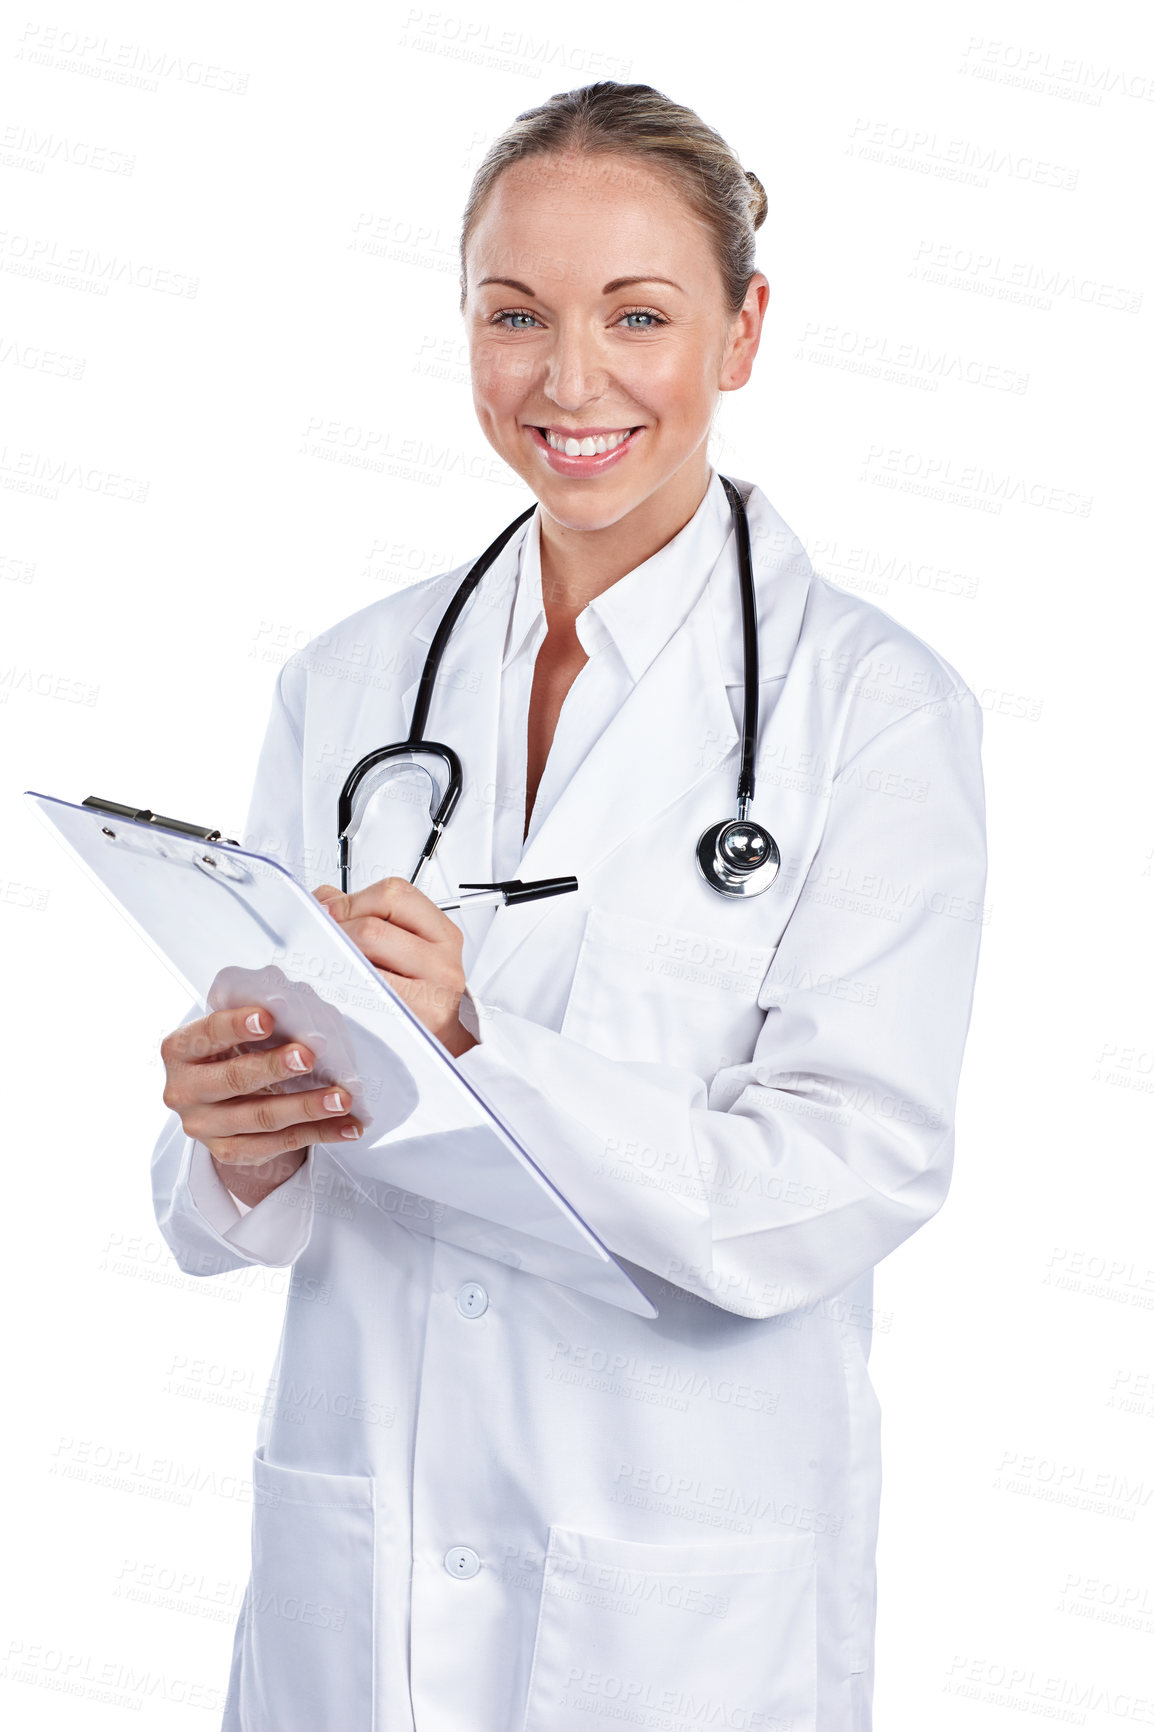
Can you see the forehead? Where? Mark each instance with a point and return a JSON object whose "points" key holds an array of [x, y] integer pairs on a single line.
{"points": [[581, 176], [579, 210]]}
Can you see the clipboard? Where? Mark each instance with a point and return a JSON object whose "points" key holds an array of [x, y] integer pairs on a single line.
{"points": [[237, 928]]}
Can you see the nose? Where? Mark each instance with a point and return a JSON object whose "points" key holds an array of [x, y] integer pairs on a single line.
{"points": [[575, 373]]}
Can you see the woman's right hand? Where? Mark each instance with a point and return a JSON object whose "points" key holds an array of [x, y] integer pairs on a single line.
{"points": [[257, 1139]]}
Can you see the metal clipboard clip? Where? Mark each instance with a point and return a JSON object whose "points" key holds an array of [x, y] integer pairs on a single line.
{"points": [[217, 865]]}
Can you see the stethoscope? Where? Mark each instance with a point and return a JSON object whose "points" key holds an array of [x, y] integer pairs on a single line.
{"points": [[736, 857]]}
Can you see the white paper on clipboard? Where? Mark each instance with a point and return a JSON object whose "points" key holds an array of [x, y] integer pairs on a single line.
{"points": [[237, 928]]}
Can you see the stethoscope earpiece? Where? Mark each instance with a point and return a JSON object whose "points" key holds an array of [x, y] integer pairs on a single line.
{"points": [[738, 857]]}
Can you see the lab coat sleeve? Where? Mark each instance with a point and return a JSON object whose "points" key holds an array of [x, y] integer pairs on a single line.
{"points": [[207, 1229], [793, 1173]]}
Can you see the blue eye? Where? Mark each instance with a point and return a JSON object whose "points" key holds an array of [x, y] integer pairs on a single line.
{"points": [[512, 313]]}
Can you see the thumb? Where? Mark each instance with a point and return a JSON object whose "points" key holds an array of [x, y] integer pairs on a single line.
{"points": [[326, 892]]}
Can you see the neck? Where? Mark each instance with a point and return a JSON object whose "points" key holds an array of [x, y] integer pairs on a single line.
{"points": [[579, 564]]}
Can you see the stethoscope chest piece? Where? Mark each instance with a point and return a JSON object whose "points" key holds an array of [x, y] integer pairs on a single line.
{"points": [[738, 857]]}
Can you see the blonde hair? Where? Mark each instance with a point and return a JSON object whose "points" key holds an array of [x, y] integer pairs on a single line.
{"points": [[634, 120]]}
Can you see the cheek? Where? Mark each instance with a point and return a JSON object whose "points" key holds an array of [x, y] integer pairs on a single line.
{"points": [[672, 383], [499, 381]]}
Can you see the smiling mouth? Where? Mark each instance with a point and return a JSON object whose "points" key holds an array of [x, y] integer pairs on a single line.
{"points": [[589, 445]]}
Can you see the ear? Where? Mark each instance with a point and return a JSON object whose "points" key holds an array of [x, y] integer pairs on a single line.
{"points": [[745, 335]]}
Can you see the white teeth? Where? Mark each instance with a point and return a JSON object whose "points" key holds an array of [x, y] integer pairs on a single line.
{"points": [[587, 447]]}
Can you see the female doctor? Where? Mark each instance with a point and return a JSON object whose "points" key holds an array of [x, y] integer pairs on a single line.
{"points": [[484, 1502]]}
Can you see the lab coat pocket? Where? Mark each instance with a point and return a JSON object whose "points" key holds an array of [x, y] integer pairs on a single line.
{"points": [[721, 1633], [307, 1654], [662, 993]]}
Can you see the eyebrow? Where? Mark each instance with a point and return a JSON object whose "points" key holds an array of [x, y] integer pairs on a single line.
{"points": [[609, 289]]}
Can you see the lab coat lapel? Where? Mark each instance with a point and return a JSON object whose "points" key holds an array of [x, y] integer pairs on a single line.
{"points": [[673, 728]]}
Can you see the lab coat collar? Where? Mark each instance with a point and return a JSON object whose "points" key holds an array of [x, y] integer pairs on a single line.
{"points": [[640, 611], [782, 575], [675, 726], [527, 610]]}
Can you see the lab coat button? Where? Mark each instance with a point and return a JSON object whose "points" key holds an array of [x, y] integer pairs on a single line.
{"points": [[472, 1300], [462, 1561]]}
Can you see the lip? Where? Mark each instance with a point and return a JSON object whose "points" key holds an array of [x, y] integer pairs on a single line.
{"points": [[585, 432], [561, 464]]}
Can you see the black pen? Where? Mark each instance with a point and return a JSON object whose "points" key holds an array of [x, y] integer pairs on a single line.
{"points": [[510, 891]]}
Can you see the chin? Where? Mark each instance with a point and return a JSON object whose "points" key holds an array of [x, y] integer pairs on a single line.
{"points": [[600, 507]]}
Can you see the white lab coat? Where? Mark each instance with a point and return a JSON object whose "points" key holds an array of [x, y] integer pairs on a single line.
{"points": [[482, 1501]]}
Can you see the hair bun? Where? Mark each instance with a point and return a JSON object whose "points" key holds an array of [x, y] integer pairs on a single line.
{"points": [[758, 203]]}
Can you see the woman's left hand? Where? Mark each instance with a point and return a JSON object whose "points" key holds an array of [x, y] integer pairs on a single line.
{"points": [[413, 944]]}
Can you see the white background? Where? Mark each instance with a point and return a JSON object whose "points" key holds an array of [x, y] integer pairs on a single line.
{"points": [[219, 275]]}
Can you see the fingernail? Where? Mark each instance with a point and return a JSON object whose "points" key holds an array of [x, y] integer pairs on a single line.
{"points": [[296, 1060], [351, 1131], [254, 1023], [334, 1103]]}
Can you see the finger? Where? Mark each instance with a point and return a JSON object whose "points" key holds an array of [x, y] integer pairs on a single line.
{"points": [[389, 946], [254, 1150], [239, 1073], [400, 903], [260, 1114], [216, 1033]]}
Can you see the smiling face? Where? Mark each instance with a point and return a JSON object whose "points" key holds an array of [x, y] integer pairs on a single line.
{"points": [[599, 338]]}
